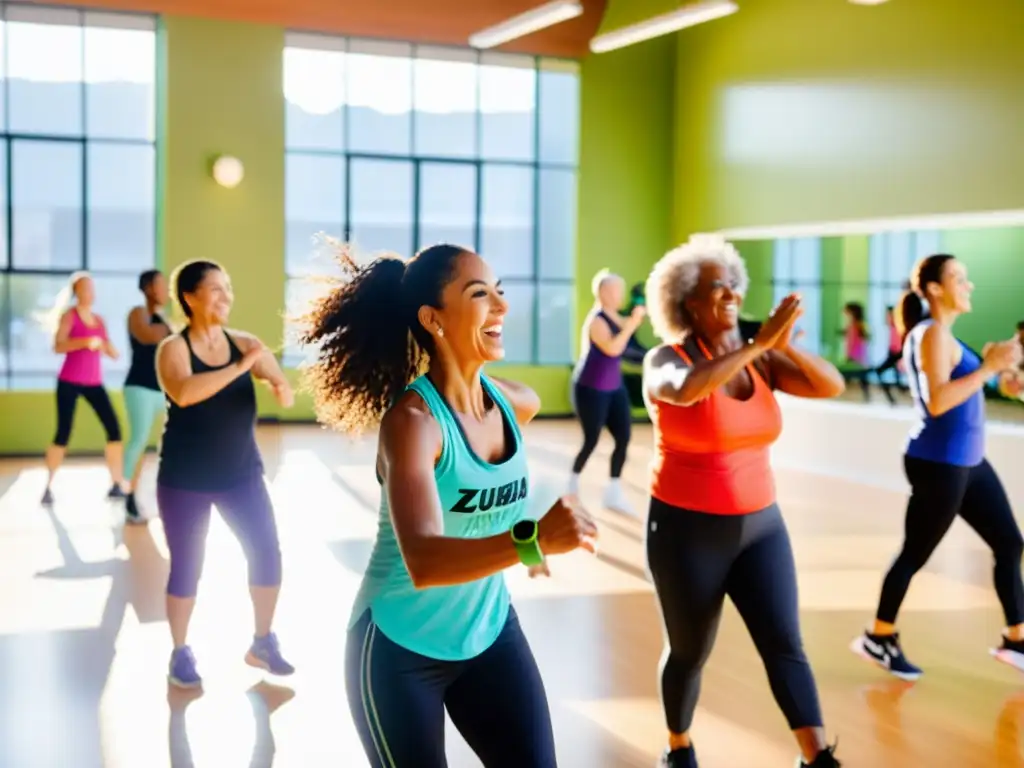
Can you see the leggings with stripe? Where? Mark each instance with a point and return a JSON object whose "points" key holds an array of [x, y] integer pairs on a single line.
{"points": [[496, 700]]}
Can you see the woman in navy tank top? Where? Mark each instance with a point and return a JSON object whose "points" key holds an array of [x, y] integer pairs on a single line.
{"points": [[945, 460], [599, 394]]}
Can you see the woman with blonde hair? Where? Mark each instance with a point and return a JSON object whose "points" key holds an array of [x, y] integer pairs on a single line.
{"points": [[600, 396], [81, 336], [715, 528]]}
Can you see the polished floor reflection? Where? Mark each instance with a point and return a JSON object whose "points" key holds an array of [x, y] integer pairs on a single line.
{"points": [[84, 644]]}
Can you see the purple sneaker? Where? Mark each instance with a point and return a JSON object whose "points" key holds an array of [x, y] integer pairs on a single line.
{"points": [[182, 671], [265, 653]]}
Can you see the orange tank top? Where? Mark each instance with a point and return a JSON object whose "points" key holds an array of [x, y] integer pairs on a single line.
{"points": [[714, 456]]}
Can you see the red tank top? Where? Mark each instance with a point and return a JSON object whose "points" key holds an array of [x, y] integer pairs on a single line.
{"points": [[714, 456]]}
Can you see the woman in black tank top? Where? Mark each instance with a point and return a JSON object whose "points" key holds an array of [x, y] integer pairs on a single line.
{"points": [[209, 457], [143, 400]]}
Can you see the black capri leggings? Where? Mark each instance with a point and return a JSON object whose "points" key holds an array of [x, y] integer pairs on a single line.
{"points": [[695, 560], [938, 493], [67, 399], [496, 700], [598, 409]]}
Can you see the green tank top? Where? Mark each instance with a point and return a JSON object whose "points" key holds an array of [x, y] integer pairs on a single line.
{"points": [[458, 622]]}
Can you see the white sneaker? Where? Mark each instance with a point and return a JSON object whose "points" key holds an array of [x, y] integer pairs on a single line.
{"points": [[615, 499]]}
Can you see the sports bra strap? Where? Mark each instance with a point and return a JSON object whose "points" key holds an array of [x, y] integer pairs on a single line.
{"points": [[751, 368]]}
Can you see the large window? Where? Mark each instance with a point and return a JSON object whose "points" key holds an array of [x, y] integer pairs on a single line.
{"points": [[891, 259], [395, 147], [796, 268], [77, 174]]}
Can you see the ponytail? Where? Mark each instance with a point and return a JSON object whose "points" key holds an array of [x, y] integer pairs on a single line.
{"points": [[370, 343], [913, 305], [910, 311], [50, 318]]}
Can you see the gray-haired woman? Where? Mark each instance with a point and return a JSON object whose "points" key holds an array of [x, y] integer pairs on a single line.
{"points": [[714, 527]]}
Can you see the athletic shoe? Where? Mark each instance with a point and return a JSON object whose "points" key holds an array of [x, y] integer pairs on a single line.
{"points": [[615, 499], [685, 757], [573, 487], [115, 492], [266, 654], [131, 511], [1011, 652], [825, 759], [885, 651], [47, 499], [182, 672]]}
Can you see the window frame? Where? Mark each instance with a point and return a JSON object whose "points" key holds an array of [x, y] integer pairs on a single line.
{"points": [[85, 18], [539, 64]]}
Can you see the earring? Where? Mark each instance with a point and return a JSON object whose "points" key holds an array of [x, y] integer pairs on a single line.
{"points": [[440, 332]]}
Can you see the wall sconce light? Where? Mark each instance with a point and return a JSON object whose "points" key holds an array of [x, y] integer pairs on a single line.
{"points": [[227, 171]]}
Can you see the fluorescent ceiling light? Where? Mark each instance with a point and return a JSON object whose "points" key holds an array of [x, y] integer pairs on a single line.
{"points": [[673, 21], [967, 220], [527, 23], [868, 2]]}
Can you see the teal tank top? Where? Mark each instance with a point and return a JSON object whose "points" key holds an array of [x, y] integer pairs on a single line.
{"points": [[458, 622]]}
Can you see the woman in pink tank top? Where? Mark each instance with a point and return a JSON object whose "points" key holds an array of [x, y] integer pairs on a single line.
{"points": [[81, 336], [856, 347]]}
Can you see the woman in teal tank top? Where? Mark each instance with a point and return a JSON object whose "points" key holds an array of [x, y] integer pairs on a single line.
{"points": [[402, 346]]}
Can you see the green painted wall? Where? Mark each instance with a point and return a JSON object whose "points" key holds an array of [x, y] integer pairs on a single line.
{"points": [[817, 110], [626, 148]]}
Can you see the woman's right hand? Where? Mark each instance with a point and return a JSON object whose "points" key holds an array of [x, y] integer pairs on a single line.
{"points": [[565, 527], [252, 354], [1002, 355], [95, 343], [779, 325], [638, 314]]}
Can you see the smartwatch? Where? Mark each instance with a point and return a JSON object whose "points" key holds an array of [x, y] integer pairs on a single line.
{"points": [[524, 536]]}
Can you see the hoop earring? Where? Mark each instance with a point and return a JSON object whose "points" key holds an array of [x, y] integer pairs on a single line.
{"points": [[440, 332]]}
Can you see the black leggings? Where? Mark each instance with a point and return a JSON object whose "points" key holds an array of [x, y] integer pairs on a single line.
{"points": [[496, 700], [695, 560], [938, 493], [67, 399], [598, 409]]}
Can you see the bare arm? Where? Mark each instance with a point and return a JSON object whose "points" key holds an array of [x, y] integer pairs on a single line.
{"points": [[141, 328], [667, 377], [801, 374], [62, 341], [938, 350], [410, 441], [174, 370], [525, 402], [266, 367], [612, 344]]}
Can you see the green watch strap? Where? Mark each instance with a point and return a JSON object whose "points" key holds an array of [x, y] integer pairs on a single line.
{"points": [[524, 537]]}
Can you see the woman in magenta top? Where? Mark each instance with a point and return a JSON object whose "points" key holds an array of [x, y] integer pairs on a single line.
{"points": [[81, 337], [893, 357], [856, 346]]}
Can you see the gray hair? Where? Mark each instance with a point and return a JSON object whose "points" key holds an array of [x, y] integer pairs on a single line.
{"points": [[675, 276], [601, 279]]}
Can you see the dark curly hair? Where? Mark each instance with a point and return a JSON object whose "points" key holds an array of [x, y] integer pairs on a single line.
{"points": [[370, 341]]}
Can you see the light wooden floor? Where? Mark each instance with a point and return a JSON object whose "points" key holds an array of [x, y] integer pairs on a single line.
{"points": [[84, 645]]}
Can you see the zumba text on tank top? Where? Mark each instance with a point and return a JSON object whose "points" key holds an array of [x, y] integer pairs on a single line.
{"points": [[957, 436], [82, 366], [479, 500], [211, 445], [599, 370]]}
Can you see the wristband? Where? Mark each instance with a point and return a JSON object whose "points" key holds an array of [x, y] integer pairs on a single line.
{"points": [[524, 537]]}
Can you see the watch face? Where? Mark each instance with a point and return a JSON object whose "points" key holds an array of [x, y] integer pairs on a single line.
{"points": [[523, 530]]}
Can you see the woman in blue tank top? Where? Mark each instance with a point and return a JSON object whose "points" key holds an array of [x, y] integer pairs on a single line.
{"points": [[402, 345], [945, 460], [599, 394]]}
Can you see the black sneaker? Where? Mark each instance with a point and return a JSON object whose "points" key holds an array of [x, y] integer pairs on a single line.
{"points": [[115, 492], [131, 511], [825, 759], [1011, 652], [47, 500], [684, 757], [885, 651]]}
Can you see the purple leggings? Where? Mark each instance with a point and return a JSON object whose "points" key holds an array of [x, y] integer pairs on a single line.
{"points": [[249, 513]]}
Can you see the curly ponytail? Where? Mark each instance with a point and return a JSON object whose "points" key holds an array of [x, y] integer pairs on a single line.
{"points": [[370, 342]]}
